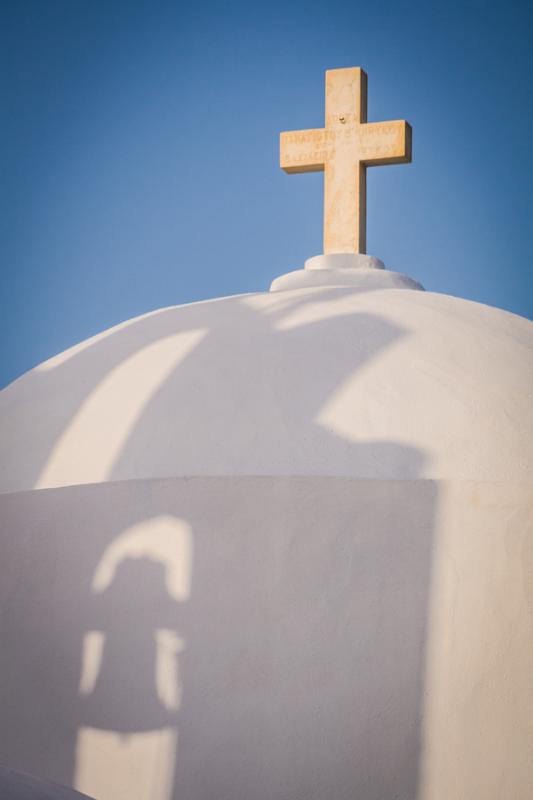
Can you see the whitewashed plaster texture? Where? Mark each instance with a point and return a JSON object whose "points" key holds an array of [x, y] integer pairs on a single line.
{"points": [[274, 546], [390, 383], [329, 637]]}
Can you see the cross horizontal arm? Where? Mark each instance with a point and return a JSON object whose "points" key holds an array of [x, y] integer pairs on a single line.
{"points": [[303, 151], [385, 143]]}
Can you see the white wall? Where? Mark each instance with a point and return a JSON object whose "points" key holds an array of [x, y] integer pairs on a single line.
{"points": [[269, 638]]}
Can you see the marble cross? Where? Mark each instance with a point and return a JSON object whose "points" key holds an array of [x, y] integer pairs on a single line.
{"points": [[344, 148]]}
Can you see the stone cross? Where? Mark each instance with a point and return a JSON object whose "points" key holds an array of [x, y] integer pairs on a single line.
{"points": [[344, 149]]}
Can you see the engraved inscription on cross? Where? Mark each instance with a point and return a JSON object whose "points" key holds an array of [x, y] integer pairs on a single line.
{"points": [[344, 149]]}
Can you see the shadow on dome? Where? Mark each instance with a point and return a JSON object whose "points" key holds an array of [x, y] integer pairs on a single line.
{"points": [[98, 415]]}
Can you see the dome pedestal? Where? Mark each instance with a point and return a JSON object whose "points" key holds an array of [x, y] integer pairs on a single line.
{"points": [[344, 269]]}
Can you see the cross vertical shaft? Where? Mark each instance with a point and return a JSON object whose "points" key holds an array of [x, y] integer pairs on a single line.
{"points": [[343, 149], [344, 176]]}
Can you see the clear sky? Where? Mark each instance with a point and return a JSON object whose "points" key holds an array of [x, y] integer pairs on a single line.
{"points": [[139, 149]]}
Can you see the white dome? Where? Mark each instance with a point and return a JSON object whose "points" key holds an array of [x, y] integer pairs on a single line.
{"points": [[334, 381], [225, 560]]}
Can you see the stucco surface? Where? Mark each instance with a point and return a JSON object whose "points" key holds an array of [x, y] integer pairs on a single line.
{"points": [[270, 638], [390, 383], [274, 546]]}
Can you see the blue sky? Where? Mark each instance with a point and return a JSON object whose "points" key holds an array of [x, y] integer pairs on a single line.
{"points": [[140, 153]]}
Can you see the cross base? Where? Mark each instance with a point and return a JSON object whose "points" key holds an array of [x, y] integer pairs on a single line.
{"points": [[362, 272], [344, 261]]}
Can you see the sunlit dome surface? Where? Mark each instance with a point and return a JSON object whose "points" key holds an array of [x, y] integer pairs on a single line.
{"points": [[390, 383]]}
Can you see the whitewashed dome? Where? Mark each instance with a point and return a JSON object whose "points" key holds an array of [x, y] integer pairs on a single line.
{"points": [[360, 377], [210, 544]]}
